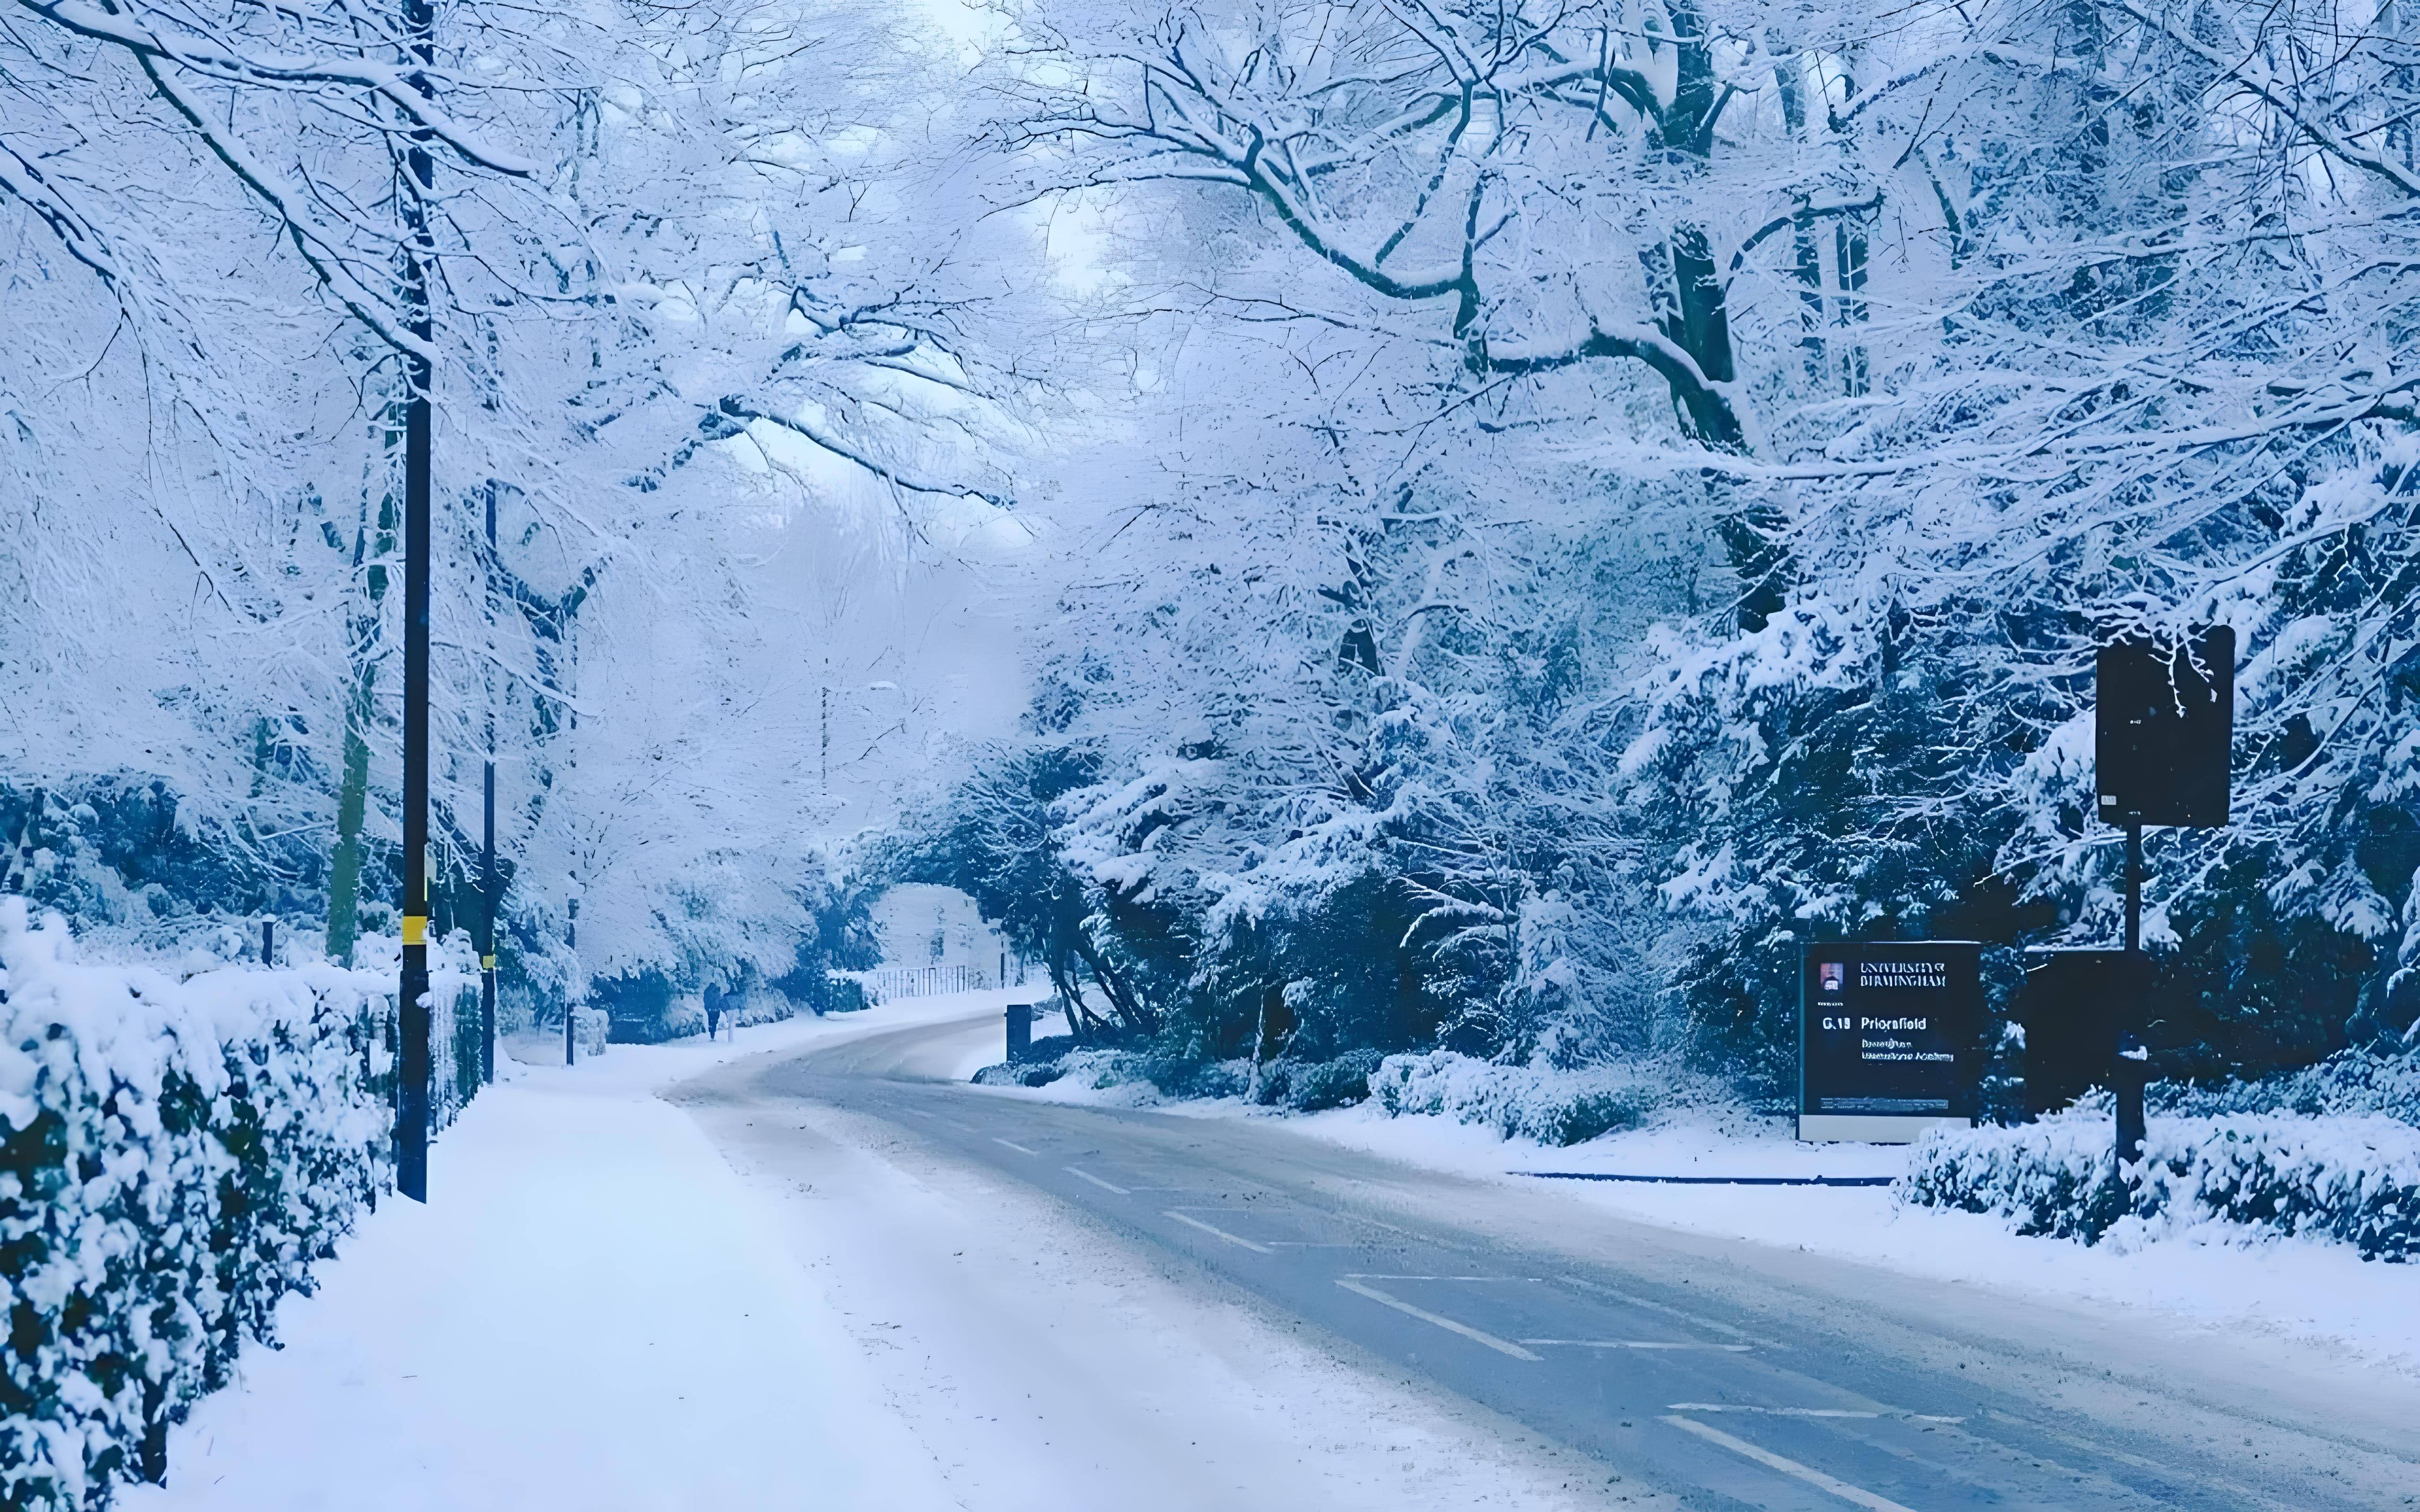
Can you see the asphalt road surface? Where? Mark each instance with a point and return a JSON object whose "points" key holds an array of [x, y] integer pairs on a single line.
{"points": [[1728, 1375]]}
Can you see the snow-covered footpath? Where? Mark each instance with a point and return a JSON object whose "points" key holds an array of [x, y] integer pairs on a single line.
{"points": [[591, 1312]]}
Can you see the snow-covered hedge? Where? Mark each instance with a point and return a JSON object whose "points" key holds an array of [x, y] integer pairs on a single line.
{"points": [[1134, 1077], [2351, 1082], [174, 1156], [1315, 1086], [1551, 1107], [2355, 1179]]}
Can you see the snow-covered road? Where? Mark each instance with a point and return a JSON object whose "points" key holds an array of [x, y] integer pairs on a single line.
{"points": [[1728, 1374], [1044, 1364]]}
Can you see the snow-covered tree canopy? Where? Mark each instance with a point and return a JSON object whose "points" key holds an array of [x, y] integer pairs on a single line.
{"points": [[1639, 484], [712, 303]]}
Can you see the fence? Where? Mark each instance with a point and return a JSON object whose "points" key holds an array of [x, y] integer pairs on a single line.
{"points": [[888, 982], [454, 1050]]}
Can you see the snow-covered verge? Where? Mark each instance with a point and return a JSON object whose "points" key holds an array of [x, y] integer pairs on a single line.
{"points": [[175, 1153], [2355, 1179], [2245, 1282], [2243, 1279], [2328, 1152], [1546, 1105]]}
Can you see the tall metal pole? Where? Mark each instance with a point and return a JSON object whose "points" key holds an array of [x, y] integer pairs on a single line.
{"points": [[2134, 889], [2131, 1070], [571, 1003], [488, 850], [411, 1093]]}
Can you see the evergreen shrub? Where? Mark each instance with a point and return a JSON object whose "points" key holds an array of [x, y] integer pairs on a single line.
{"points": [[2352, 1178], [1314, 1085], [175, 1155], [2353, 1081]]}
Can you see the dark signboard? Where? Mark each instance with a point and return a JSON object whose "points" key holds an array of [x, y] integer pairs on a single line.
{"points": [[2075, 1004], [2164, 728], [1887, 1029]]}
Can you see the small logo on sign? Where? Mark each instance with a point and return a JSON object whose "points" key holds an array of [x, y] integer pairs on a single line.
{"points": [[1830, 975]]}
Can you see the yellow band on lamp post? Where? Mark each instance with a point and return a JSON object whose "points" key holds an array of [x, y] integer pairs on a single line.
{"points": [[415, 929], [487, 963]]}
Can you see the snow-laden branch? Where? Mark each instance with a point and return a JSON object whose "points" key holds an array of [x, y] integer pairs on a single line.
{"points": [[739, 411], [84, 242], [331, 262], [2311, 122], [137, 26]]}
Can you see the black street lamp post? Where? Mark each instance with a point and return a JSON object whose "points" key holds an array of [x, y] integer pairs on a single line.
{"points": [[419, 250]]}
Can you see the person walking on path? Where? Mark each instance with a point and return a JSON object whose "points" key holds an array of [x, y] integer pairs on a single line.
{"points": [[713, 1007]]}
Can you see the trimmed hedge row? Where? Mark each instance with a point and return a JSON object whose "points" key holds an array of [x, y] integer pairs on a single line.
{"points": [[2354, 1180], [173, 1157]]}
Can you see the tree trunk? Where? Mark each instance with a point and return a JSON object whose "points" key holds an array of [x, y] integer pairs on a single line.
{"points": [[372, 548], [353, 806], [1137, 1019], [1260, 1045]]}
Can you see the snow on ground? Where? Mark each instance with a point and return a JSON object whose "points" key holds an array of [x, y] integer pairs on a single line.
{"points": [[596, 1312], [591, 1312], [1046, 1366], [2313, 1293], [2310, 1293]]}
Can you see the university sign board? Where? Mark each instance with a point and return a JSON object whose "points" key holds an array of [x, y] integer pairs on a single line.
{"points": [[1887, 1034]]}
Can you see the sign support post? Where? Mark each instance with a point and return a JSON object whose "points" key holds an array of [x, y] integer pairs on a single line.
{"points": [[488, 848], [2164, 733], [2133, 1059], [571, 1003]]}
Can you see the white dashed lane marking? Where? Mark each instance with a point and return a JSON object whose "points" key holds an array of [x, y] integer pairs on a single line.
{"points": [[1236, 1239], [1641, 1344], [1358, 1285], [1855, 1495], [1812, 1412]]}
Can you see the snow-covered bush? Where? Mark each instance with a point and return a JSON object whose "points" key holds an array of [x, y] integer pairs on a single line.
{"points": [[1022, 1072], [1138, 1076], [1313, 1085], [1551, 1107], [594, 1027], [2053, 1177], [2355, 1179], [174, 1156], [2353, 1081]]}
